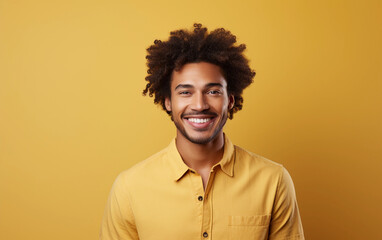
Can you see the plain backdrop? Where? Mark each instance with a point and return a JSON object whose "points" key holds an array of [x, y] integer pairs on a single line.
{"points": [[72, 114]]}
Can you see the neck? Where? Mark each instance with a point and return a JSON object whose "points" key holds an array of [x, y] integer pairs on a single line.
{"points": [[200, 157]]}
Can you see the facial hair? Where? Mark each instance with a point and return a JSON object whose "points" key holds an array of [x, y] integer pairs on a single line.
{"points": [[201, 141]]}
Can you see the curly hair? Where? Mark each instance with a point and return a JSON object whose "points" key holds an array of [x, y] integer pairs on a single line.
{"points": [[217, 47]]}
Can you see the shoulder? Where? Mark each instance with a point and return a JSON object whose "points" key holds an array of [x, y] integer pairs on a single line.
{"points": [[152, 166], [256, 163], [264, 173], [259, 167]]}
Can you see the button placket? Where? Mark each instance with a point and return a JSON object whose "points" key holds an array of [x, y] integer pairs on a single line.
{"points": [[207, 208], [203, 199], [197, 184]]}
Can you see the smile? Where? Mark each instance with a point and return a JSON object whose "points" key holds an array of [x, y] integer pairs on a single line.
{"points": [[199, 120], [200, 123]]}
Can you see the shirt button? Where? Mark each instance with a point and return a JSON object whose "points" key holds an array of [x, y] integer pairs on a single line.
{"points": [[205, 234], [200, 198]]}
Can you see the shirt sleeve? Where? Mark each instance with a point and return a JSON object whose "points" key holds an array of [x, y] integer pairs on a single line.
{"points": [[118, 221], [286, 222]]}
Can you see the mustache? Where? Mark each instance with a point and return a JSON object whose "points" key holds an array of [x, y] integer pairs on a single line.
{"points": [[199, 113]]}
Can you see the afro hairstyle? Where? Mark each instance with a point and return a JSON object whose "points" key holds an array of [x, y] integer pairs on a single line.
{"points": [[217, 47]]}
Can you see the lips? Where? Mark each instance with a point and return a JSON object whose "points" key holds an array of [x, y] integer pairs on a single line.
{"points": [[200, 123]]}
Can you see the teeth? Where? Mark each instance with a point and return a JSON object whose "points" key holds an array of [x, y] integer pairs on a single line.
{"points": [[199, 120]]}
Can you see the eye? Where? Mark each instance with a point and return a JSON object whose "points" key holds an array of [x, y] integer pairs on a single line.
{"points": [[214, 92], [184, 93]]}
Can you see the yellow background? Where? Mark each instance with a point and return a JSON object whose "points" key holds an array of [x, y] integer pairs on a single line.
{"points": [[72, 115]]}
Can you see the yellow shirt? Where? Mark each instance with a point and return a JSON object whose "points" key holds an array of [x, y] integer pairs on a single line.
{"points": [[246, 197]]}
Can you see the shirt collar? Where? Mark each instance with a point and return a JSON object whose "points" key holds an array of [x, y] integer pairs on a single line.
{"points": [[228, 159], [180, 168], [176, 161]]}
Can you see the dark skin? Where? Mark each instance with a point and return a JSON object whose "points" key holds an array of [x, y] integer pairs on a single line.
{"points": [[199, 105]]}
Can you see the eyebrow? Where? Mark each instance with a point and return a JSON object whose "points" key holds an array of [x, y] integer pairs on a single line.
{"points": [[184, 86], [191, 86]]}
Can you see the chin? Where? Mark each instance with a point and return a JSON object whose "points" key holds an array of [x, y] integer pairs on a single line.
{"points": [[200, 140], [199, 137]]}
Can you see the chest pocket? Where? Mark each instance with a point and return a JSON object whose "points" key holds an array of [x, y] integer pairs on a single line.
{"points": [[248, 227]]}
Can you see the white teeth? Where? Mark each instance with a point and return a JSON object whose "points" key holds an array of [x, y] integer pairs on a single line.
{"points": [[199, 120]]}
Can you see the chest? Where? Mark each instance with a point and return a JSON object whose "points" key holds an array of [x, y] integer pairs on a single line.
{"points": [[226, 208]]}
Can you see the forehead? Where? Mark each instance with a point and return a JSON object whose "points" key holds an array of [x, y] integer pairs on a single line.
{"points": [[198, 75]]}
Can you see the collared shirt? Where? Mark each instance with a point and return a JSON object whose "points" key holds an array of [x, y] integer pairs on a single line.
{"points": [[246, 197]]}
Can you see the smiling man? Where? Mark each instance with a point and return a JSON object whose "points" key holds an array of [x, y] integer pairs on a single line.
{"points": [[201, 186]]}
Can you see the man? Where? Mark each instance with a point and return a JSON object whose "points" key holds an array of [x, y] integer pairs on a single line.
{"points": [[201, 186]]}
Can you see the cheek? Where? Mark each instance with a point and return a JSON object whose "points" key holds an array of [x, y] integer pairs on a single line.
{"points": [[179, 106], [221, 105]]}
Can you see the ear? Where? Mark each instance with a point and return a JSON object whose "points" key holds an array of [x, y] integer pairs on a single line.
{"points": [[167, 103], [231, 103]]}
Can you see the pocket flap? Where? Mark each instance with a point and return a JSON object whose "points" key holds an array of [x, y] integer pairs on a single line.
{"points": [[257, 220]]}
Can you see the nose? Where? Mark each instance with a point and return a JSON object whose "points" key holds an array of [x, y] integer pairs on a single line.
{"points": [[199, 102]]}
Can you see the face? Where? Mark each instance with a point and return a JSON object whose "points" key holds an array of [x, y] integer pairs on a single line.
{"points": [[199, 102]]}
